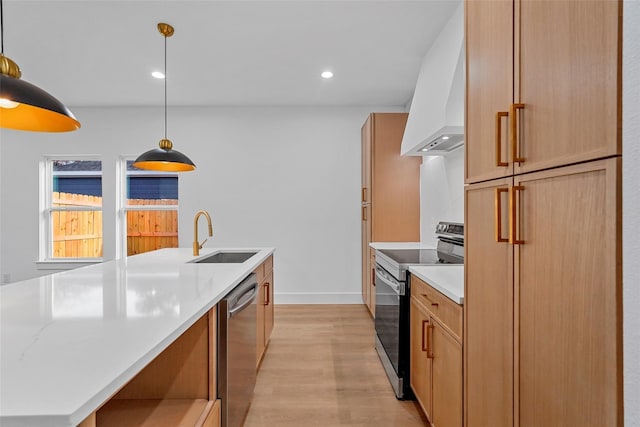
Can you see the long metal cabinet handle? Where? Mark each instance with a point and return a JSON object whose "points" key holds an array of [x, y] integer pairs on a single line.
{"points": [[364, 194], [513, 217], [430, 341], [513, 133], [499, 116], [266, 291], [364, 213], [498, 214], [424, 345]]}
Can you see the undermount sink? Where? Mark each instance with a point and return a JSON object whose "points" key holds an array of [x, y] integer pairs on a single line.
{"points": [[226, 258]]}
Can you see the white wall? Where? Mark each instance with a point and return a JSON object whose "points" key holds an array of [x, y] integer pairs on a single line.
{"points": [[441, 192], [631, 210], [282, 177]]}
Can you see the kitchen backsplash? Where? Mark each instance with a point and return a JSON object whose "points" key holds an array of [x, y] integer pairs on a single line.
{"points": [[441, 192]]}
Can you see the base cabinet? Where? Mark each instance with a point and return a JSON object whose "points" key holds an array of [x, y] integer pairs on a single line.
{"points": [[436, 355], [178, 388], [421, 366], [447, 378], [165, 412], [264, 322]]}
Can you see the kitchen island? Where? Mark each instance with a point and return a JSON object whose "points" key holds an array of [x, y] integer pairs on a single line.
{"points": [[71, 340]]}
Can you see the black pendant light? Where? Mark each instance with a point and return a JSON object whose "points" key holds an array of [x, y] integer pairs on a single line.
{"points": [[164, 158], [24, 106]]}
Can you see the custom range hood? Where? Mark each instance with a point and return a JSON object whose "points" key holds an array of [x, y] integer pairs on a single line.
{"points": [[436, 118]]}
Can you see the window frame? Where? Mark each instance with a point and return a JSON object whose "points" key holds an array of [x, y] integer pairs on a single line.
{"points": [[122, 207], [45, 250]]}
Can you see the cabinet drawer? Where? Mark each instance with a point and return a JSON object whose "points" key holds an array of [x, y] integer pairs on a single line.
{"points": [[442, 308]]}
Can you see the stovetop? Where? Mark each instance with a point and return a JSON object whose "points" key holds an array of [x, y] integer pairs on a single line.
{"points": [[412, 256], [397, 261]]}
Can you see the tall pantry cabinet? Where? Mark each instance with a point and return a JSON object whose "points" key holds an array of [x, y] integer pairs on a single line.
{"points": [[542, 313], [390, 193]]}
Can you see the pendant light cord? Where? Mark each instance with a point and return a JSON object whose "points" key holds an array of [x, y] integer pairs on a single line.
{"points": [[165, 86], [1, 29]]}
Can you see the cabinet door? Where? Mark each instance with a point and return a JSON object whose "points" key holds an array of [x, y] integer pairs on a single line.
{"points": [[569, 81], [365, 199], [366, 135], [568, 278], [420, 369], [260, 341], [447, 378], [488, 308], [268, 307], [489, 85], [366, 259], [395, 198], [372, 286]]}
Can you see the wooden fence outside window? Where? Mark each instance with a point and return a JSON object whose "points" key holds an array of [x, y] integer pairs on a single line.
{"points": [[78, 234]]}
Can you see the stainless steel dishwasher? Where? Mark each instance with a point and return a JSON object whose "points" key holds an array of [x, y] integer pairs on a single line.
{"points": [[237, 351]]}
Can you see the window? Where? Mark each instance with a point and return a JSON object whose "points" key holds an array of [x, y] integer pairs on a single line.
{"points": [[71, 209], [148, 214]]}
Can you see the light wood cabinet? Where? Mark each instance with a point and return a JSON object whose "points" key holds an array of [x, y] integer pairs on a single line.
{"points": [[542, 214], [178, 388], [488, 308], [447, 378], [264, 321], [542, 313], [436, 354], [569, 297], [543, 85], [261, 344], [489, 87], [421, 367], [390, 193]]}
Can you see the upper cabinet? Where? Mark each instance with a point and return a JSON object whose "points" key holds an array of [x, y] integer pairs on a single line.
{"points": [[436, 118], [543, 85]]}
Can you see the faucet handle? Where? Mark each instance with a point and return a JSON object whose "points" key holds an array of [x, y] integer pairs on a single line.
{"points": [[202, 244]]}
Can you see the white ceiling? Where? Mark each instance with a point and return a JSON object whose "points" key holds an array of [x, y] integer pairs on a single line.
{"points": [[232, 53]]}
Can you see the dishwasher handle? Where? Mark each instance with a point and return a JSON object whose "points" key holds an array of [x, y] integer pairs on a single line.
{"points": [[396, 287], [242, 296]]}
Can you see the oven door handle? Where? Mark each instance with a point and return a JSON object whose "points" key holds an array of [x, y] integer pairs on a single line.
{"points": [[398, 288]]}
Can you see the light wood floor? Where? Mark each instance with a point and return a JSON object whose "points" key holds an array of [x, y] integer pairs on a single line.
{"points": [[321, 369]]}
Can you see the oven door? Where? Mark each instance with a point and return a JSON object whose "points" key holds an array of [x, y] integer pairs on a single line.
{"points": [[388, 314]]}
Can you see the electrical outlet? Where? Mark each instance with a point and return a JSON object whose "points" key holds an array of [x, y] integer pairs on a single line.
{"points": [[6, 278]]}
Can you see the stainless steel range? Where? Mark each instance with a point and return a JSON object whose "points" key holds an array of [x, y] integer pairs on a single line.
{"points": [[392, 299]]}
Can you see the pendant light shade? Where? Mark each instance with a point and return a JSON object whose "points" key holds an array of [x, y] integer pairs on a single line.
{"points": [[24, 106], [164, 158]]}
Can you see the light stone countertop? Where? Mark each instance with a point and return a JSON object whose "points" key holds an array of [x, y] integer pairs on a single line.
{"points": [[70, 340], [446, 279]]}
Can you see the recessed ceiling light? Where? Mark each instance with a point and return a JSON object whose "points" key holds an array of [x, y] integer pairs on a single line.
{"points": [[157, 75], [445, 137], [326, 74]]}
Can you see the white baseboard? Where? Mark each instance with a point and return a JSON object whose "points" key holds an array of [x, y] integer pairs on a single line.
{"points": [[318, 298]]}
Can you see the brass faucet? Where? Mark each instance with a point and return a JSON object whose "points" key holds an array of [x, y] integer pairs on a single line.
{"points": [[196, 245]]}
